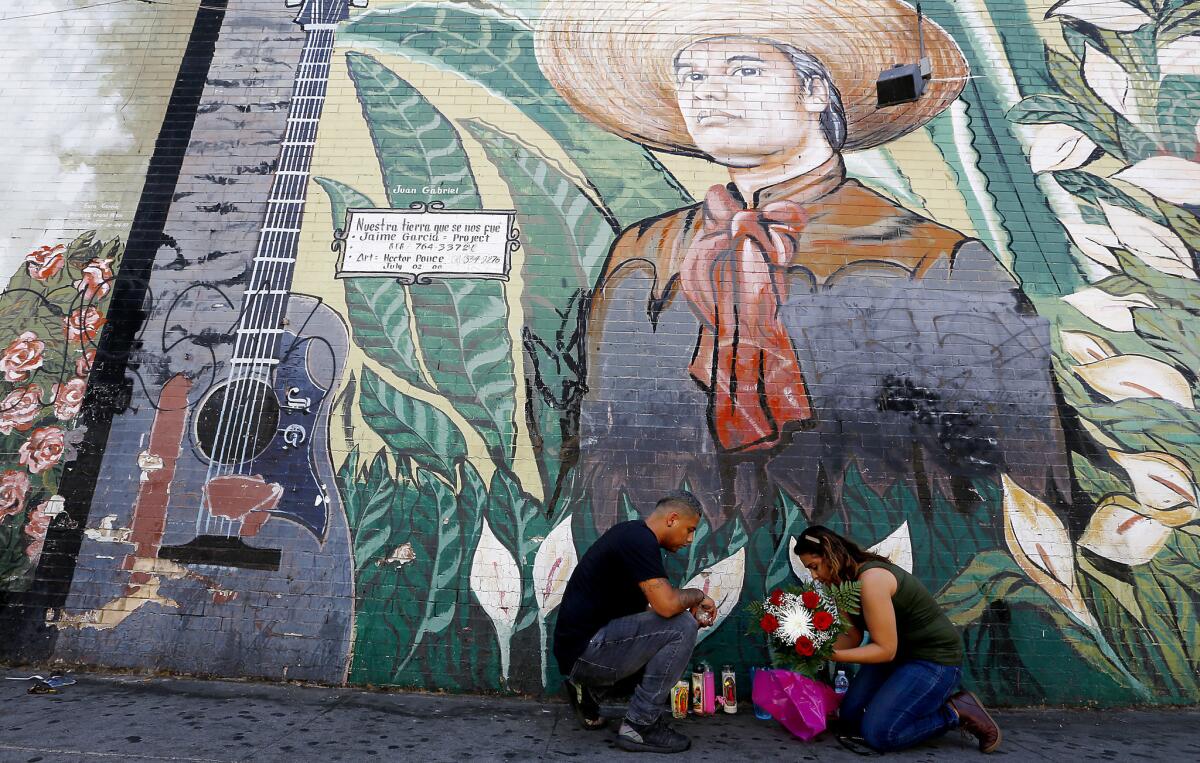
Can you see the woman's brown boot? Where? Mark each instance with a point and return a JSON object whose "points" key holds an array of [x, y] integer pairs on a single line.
{"points": [[974, 719]]}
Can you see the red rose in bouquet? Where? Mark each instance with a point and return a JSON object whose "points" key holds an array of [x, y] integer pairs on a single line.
{"points": [[802, 623]]}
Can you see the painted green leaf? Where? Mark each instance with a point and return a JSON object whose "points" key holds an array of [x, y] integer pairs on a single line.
{"points": [[434, 582], [1185, 224], [562, 229], [372, 527], [498, 54], [565, 237], [462, 324], [994, 580], [376, 307], [1096, 189], [412, 428], [1046, 108], [416, 146], [1170, 330], [464, 333]]}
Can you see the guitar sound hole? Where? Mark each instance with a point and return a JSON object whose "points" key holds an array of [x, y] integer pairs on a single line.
{"points": [[249, 423]]}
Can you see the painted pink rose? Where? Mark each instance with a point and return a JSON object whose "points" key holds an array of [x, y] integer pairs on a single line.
{"points": [[97, 279], [43, 449], [23, 355], [68, 398], [14, 488], [19, 408], [83, 324], [83, 364], [35, 528], [45, 262]]}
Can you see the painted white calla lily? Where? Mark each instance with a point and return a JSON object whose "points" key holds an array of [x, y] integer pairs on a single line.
{"points": [[1058, 147], [722, 583], [1135, 376], [1164, 485], [1038, 542], [1170, 178], [1154, 244], [1121, 534], [798, 568], [1105, 14], [1110, 311], [1109, 81], [552, 566], [1181, 57], [897, 548], [496, 581], [1095, 241], [1086, 348]]}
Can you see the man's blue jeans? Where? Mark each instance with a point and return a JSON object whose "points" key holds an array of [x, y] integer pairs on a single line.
{"points": [[660, 645], [896, 705]]}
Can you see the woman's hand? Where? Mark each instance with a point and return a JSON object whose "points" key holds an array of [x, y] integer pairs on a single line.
{"points": [[878, 585]]}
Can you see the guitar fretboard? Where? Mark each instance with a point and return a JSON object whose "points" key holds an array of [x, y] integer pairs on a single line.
{"points": [[264, 302]]}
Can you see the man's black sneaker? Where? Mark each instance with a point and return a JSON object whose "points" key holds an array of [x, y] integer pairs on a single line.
{"points": [[585, 705], [657, 737]]}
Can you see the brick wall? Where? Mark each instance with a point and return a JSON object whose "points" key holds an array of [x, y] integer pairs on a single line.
{"points": [[394, 314]]}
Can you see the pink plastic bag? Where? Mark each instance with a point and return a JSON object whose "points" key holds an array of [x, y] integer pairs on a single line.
{"points": [[801, 704]]}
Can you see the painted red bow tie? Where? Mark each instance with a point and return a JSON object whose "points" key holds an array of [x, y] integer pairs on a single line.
{"points": [[734, 276]]}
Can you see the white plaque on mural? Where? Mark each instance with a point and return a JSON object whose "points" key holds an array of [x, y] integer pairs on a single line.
{"points": [[426, 241]]}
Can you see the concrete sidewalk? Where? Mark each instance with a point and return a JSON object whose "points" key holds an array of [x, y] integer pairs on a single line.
{"points": [[138, 718]]}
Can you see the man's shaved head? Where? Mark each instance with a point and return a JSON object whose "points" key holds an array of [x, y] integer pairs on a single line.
{"points": [[680, 501]]}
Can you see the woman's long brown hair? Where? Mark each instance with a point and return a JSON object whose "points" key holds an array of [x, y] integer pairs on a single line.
{"points": [[843, 555]]}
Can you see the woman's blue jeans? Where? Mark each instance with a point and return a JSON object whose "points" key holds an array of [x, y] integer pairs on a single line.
{"points": [[896, 705]]}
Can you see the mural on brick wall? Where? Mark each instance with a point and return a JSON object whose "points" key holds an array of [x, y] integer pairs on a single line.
{"points": [[74, 157], [954, 329], [52, 312]]}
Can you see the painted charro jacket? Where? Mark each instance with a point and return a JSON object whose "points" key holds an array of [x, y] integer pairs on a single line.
{"points": [[745, 350]]}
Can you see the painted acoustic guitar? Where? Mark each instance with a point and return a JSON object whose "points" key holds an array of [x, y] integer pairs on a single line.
{"points": [[260, 435]]}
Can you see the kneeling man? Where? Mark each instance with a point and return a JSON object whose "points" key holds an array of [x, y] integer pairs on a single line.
{"points": [[621, 615]]}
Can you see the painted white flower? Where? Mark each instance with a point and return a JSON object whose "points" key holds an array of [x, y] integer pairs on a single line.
{"points": [[1109, 81], [496, 582], [1110, 311], [721, 582], [1135, 376], [1164, 485], [1153, 244], [1058, 147], [552, 566], [1038, 542], [1086, 348], [1170, 178], [798, 568], [1181, 57], [1121, 534], [897, 548], [1095, 241], [1105, 14], [794, 623]]}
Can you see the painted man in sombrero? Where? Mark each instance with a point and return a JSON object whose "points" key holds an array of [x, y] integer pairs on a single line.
{"points": [[794, 325]]}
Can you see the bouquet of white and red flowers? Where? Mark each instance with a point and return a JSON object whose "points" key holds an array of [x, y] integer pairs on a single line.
{"points": [[803, 622]]}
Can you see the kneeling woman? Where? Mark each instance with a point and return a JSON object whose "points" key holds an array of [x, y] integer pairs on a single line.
{"points": [[904, 692]]}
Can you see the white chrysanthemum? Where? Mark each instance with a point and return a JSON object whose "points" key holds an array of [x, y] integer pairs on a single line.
{"points": [[795, 622]]}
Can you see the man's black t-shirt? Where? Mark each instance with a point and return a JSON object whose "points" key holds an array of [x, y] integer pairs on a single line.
{"points": [[605, 586]]}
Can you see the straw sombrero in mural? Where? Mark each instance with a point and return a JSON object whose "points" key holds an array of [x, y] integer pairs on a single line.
{"points": [[612, 59]]}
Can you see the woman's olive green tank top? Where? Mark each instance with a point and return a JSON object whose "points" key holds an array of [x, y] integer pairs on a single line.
{"points": [[924, 631]]}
